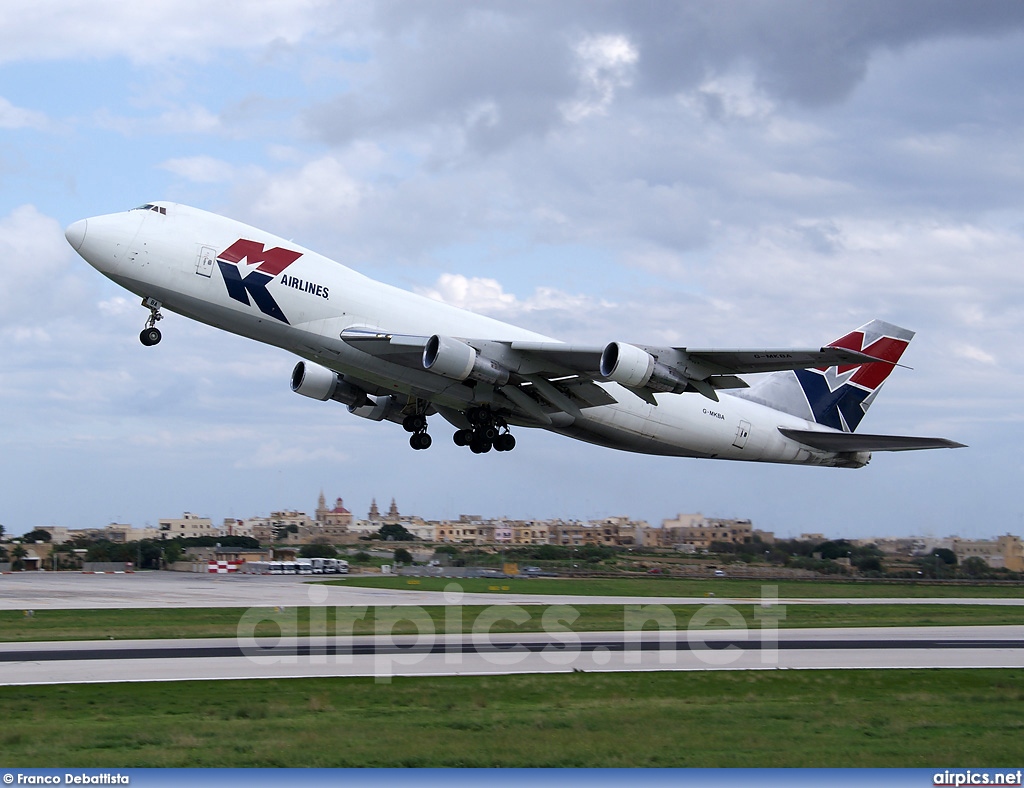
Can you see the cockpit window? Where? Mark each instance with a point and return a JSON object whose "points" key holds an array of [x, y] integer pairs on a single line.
{"points": [[150, 207]]}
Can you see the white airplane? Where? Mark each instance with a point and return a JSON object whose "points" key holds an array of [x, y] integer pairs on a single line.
{"points": [[393, 355]]}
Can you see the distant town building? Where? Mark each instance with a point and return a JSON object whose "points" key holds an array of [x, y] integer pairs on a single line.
{"points": [[332, 524], [115, 532], [1003, 552], [530, 532], [188, 526], [894, 547], [691, 533], [233, 527], [468, 529]]}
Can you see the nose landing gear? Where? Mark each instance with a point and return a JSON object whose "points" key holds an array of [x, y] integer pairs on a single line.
{"points": [[151, 334]]}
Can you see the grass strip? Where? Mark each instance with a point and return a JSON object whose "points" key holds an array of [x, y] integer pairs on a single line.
{"points": [[131, 624], [680, 587], [814, 718]]}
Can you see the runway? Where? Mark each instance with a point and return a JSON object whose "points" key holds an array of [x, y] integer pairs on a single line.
{"points": [[384, 657], [74, 591]]}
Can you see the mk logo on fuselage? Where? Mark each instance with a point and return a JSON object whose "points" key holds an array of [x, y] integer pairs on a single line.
{"points": [[268, 264]]}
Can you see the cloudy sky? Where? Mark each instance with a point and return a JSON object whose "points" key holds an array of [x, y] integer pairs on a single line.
{"points": [[706, 174]]}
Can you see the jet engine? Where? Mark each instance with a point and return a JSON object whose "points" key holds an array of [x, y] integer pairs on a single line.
{"points": [[379, 409], [454, 359], [312, 380], [635, 368]]}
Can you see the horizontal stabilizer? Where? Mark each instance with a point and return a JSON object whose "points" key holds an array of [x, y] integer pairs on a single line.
{"points": [[851, 441]]}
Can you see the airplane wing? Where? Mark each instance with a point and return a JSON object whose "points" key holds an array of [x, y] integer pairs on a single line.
{"points": [[852, 441], [539, 378]]}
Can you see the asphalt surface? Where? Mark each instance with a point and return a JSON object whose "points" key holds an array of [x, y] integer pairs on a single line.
{"points": [[384, 657]]}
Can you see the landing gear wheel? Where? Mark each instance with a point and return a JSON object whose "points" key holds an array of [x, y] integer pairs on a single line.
{"points": [[479, 445], [488, 430], [416, 422], [420, 440], [151, 334], [480, 417]]}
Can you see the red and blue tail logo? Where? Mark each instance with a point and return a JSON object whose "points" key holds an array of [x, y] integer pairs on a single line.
{"points": [[840, 396]]}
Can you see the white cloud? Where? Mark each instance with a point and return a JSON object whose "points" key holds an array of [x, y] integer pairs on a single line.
{"points": [[321, 190], [604, 65], [275, 454], [488, 297], [731, 96], [12, 117], [28, 335], [476, 293], [192, 119], [153, 31], [206, 436], [972, 353], [116, 306], [201, 169], [34, 257]]}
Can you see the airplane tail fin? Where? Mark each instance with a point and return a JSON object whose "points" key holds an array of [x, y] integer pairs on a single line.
{"points": [[836, 397]]}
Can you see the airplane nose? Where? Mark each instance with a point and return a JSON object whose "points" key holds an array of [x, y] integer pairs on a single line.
{"points": [[75, 233]]}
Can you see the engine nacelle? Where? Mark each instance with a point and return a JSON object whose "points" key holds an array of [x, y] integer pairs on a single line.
{"points": [[379, 409], [312, 380], [627, 365], [635, 368], [455, 359]]}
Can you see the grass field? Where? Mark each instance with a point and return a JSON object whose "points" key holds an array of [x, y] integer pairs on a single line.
{"points": [[668, 586], [223, 622], [898, 718]]}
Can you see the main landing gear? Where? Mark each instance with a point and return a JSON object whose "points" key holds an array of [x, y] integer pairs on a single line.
{"points": [[151, 334], [488, 431], [416, 423]]}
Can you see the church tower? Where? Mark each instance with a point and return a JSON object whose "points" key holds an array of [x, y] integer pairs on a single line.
{"points": [[321, 508]]}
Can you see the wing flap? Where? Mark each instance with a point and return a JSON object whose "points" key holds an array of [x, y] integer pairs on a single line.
{"points": [[556, 358], [589, 393], [381, 344], [852, 441]]}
